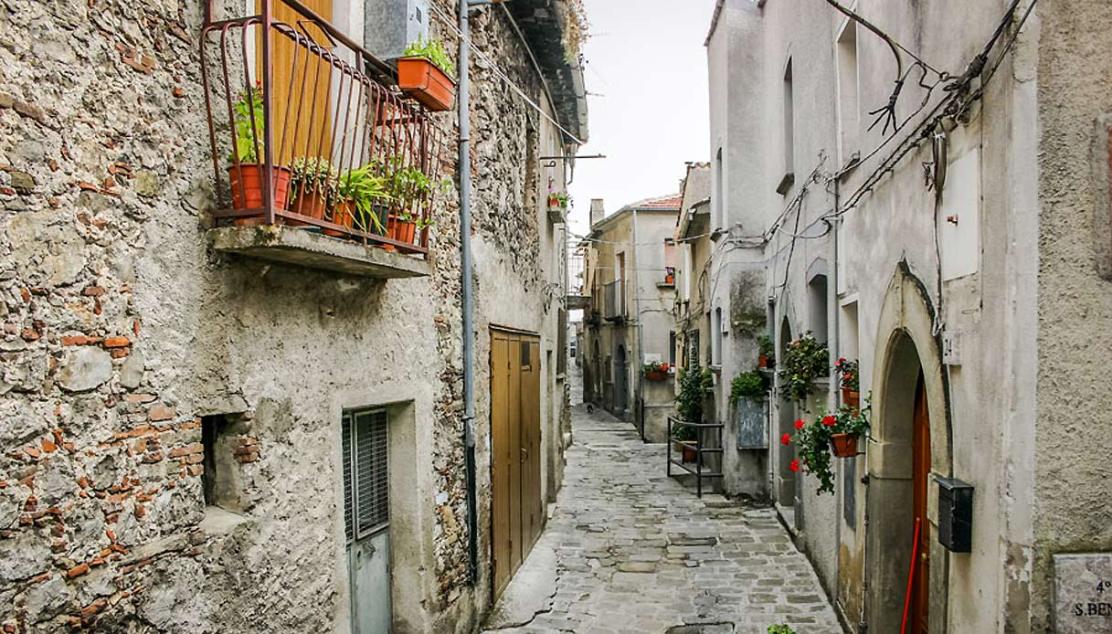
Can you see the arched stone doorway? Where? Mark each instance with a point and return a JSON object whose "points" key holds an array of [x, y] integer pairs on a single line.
{"points": [[785, 477], [909, 444]]}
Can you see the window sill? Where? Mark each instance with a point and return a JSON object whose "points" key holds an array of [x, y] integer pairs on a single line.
{"points": [[786, 184], [220, 521], [313, 250]]}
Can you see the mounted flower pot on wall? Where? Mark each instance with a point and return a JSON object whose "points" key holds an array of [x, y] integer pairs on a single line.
{"points": [[844, 445], [425, 73]]}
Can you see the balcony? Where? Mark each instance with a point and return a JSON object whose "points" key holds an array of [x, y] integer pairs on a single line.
{"points": [[319, 159], [614, 301]]}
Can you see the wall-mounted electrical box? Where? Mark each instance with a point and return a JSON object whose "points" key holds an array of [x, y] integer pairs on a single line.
{"points": [[391, 25], [955, 515]]}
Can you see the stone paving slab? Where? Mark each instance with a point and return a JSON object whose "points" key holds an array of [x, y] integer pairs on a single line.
{"points": [[637, 552]]}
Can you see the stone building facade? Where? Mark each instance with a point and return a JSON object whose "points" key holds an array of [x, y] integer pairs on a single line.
{"points": [[632, 289], [957, 249], [125, 335]]}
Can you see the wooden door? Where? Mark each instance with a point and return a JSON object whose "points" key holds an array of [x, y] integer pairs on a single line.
{"points": [[301, 102], [517, 506], [921, 469]]}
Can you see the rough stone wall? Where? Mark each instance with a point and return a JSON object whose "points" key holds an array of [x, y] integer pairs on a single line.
{"points": [[1073, 434], [120, 331]]}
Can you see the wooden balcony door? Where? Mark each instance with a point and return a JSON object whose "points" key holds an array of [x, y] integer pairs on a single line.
{"points": [[518, 512], [300, 104], [921, 469]]}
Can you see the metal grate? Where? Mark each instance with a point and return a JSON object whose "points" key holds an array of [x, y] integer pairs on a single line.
{"points": [[366, 483]]}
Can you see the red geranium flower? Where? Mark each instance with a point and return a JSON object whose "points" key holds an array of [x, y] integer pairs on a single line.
{"points": [[794, 466], [786, 439], [829, 420], [799, 424]]}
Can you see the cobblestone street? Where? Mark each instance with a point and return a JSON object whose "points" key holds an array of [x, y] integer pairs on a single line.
{"points": [[629, 550]]}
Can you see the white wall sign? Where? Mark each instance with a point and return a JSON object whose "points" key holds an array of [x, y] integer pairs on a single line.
{"points": [[1083, 593]]}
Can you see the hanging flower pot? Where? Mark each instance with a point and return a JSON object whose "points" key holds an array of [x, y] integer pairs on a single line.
{"points": [[851, 397], [247, 190], [762, 361], [427, 83], [844, 445]]}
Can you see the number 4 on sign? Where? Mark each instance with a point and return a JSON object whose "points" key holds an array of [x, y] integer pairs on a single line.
{"points": [[1103, 585]]}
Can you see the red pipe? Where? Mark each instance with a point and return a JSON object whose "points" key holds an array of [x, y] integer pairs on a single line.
{"points": [[911, 574]]}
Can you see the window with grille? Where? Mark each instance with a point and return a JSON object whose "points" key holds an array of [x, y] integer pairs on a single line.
{"points": [[366, 484]]}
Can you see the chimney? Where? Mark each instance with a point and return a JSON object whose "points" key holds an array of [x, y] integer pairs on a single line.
{"points": [[597, 211]]}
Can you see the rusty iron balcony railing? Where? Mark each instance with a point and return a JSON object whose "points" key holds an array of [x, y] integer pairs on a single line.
{"points": [[309, 130]]}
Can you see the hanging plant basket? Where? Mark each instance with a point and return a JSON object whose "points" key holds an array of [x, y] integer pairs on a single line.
{"points": [[426, 82], [844, 445]]}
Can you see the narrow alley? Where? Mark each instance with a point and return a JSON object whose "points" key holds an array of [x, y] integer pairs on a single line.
{"points": [[627, 549]]}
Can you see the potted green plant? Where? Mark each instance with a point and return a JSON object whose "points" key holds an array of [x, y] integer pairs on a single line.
{"points": [[407, 188], [684, 438], [426, 73], [805, 360], [246, 174], [851, 424], [313, 187], [766, 352], [751, 385], [693, 384], [780, 628], [655, 371], [358, 191], [557, 201], [849, 380]]}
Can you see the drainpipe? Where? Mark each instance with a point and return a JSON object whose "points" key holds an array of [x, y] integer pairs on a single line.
{"points": [[640, 401], [466, 290]]}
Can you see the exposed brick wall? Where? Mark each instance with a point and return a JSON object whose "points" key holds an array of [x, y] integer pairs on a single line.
{"points": [[120, 331]]}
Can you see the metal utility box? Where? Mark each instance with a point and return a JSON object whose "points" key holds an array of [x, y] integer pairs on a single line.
{"points": [[391, 25], [955, 515]]}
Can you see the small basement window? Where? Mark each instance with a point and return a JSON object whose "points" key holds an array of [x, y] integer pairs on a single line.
{"points": [[223, 438]]}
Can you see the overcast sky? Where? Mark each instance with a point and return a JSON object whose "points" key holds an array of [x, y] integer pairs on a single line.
{"points": [[646, 77]]}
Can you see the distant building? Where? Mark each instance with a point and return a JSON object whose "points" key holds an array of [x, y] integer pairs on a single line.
{"points": [[630, 279]]}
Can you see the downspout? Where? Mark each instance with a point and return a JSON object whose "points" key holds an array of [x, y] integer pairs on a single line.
{"points": [[466, 290], [636, 268]]}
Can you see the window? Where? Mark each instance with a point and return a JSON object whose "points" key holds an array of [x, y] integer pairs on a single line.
{"points": [[789, 134], [366, 488], [718, 201], [716, 338], [817, 303], [849, 124], [672, 348], [226, 448]]}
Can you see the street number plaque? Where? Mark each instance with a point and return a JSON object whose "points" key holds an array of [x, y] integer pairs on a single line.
{"points": [[1083, 593]]}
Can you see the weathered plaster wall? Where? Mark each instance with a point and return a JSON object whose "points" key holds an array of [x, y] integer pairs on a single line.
{"points": [[1073, 434], [986, 397], [121, 330]]}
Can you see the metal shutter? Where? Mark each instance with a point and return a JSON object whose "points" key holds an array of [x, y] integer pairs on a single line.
{"points": [[366, 484]]}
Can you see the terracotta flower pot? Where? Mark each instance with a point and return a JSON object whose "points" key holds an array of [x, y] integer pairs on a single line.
{"points": [[844, 445], [310, 204], [762, 361], [851, 398], [689, 454], [344, 215], [405, 231], [656, 375], [425, 82], [247, 190]]}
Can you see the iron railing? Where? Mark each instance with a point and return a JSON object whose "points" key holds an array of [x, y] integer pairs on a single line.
{"points": [[300, 115], [697, 448]]}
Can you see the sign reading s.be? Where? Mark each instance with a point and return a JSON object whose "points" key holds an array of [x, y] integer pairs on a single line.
{"points": [[1083, 593]]}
